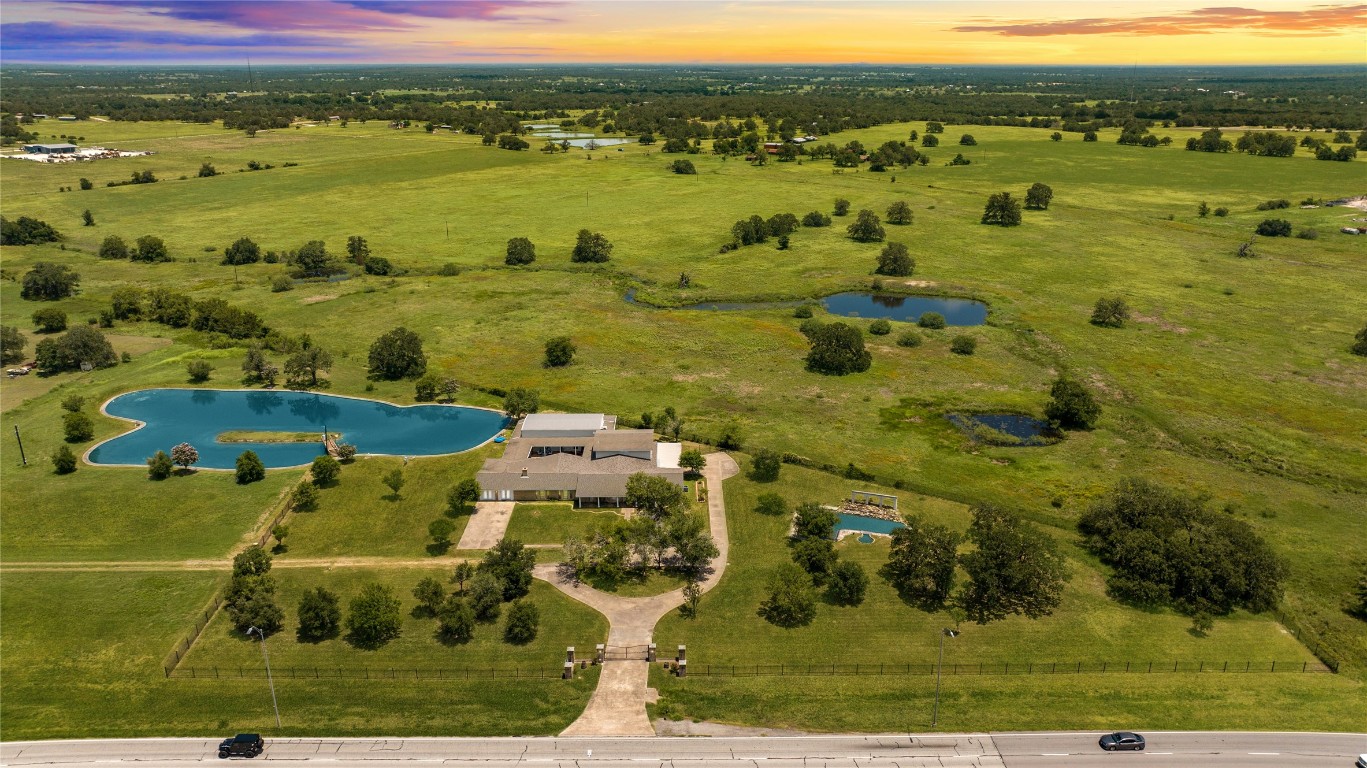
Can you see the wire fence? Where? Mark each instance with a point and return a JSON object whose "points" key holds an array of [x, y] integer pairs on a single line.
{"points": [[1004, 668], [177, 653], [368, 673]]}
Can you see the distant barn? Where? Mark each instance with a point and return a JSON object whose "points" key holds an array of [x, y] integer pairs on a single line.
{"points": [[49, 149]]}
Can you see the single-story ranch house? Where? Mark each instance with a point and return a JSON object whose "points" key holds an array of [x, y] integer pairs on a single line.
{"points": [[576, 456]]}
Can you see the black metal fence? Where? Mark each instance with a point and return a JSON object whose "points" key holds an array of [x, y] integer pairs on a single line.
{"points": [[1003, 668], [367, 673], [183, 647]]}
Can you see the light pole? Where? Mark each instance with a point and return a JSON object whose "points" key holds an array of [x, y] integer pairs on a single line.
{"points": [[935, 714], [269, 679]]}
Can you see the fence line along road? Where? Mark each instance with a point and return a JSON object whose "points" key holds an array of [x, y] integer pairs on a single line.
{"points": [[367, 673], [704, 669], [1003, 668]]}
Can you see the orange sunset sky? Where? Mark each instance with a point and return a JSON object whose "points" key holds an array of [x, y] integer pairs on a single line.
{"points": [[701, 31]]}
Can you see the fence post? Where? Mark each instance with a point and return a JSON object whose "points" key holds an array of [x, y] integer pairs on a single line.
{"points": [[1274, 666]]}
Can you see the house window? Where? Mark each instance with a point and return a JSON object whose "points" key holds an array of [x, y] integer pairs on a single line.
{"points": [[541, 451]]}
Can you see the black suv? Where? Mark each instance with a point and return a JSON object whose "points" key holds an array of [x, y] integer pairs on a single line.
{"points": [[242, 745]]}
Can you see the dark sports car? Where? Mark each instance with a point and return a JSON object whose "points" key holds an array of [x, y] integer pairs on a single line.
{"points": [[1122, 740]]}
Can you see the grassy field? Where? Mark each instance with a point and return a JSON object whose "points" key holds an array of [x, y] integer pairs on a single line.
{"points": [[1233, 380], [89, 665], [564, 622], [553, 523]]}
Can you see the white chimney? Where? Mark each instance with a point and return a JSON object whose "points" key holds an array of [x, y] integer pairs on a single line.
{"points": [[524, 471]]}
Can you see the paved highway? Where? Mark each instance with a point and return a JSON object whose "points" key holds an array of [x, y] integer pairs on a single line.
{"points": [[996, 750]]}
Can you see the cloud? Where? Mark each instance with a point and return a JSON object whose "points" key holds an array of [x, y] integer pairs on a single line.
{"points": [[52, 41], [480, 10], [330, 15], [1200, 21]]}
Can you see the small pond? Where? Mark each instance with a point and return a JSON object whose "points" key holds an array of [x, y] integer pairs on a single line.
{"points": [[541, 126], [584, 143], [868, 305], [1025, 429], [199, 416], [562, 135], [864, 525]]}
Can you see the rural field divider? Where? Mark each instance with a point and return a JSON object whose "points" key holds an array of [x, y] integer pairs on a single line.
{"points": [[1005, 668]]}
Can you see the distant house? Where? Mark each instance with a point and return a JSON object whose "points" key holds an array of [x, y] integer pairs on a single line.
{"points": [[772, 147], [579, 457], [49, 149], [67, 118]]}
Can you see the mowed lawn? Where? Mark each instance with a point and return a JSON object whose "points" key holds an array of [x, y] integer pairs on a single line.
{"points": [[83, 655], [563, 622], [1232, 380], [1088, 627]]}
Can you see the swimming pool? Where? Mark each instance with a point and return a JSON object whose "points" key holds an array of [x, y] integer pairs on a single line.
{"points": [[861, 524], [199, 416]]}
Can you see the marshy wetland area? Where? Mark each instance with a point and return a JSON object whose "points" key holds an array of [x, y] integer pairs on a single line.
{"points": [[1228, 376]]}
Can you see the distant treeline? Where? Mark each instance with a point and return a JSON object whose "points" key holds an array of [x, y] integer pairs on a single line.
{"points": [[819, 100]]}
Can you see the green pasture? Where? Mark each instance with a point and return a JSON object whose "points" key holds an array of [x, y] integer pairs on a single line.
{"points": [[83, 655], [358, 516], [1232, 380], [564, 622]]}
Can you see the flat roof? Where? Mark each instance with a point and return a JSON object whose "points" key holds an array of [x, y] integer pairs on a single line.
{"points": [[536, 423], [52, 146]]}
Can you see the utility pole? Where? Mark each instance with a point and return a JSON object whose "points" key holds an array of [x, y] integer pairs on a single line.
{"points": [[939, 666], [21, 445], [270, 679]]}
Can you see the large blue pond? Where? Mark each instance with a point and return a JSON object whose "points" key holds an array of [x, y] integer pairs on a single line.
{"points": [[199, 416], [866, 524], [868, 305]]}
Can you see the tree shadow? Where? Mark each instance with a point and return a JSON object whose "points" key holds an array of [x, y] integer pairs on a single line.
{"points": [[280, 548], [392, 497], [422, 612], [314, 640], [438, 548], [449, 640], [364, 644]]}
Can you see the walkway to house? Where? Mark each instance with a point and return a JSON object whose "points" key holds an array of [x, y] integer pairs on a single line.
{"points": [[618, 705], [487, 525]]}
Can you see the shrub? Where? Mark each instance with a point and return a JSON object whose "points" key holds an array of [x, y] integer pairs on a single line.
{"points": [[816, 219], [842, 207], [1274, 228], [847, 583], [1273, 205], [374, 618], [880, 327], [520, 252], [933, 320], [765, 466], [803, 312], [456, 621], [63, 461], [49, 320], [159, 466], [304, 497], [250, 469], [1111, 313], [900, 213], [320, 615], [49, 282], [281, 283], [684, 167], [1360, 343], [963, 345], [1221, 212], [78, 427], [199, 370], [895, 261], [1071, 405], [1308, 234], [523, 622], [73, 403], [559, 352], [325, 470], [837, 349], [790, 602], [909, 339]]}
